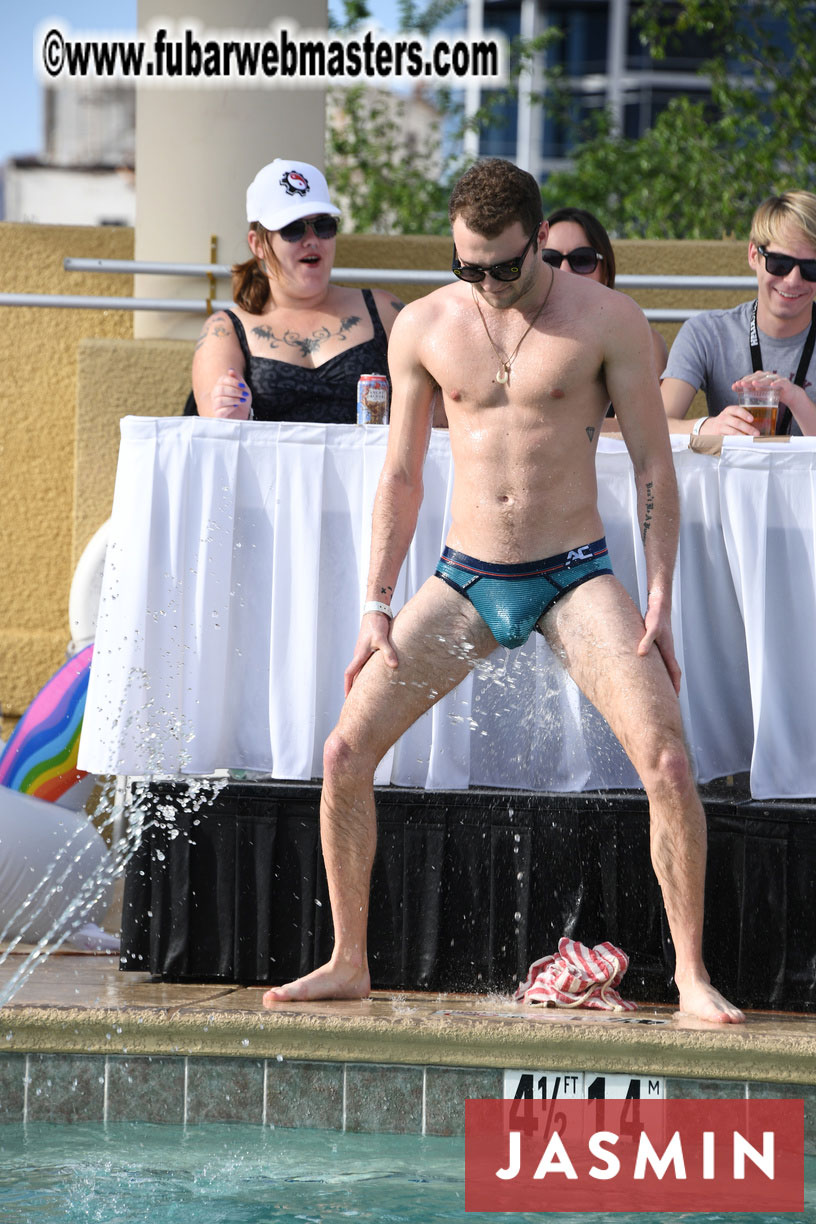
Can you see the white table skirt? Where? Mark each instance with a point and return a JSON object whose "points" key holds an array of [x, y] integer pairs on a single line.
{"points": [[231, 602]]}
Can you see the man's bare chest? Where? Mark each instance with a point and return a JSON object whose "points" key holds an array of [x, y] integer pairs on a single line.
{"points": [[545, 368]]}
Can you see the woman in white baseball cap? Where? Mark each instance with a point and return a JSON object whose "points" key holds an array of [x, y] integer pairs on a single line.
{"points": [[295, 345]]}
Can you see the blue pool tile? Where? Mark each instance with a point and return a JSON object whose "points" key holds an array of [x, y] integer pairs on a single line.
{"points": [[384, 1098], [145, 1089], [447, 1089], [805, 1092], [12, 1087], [225, 1090], [697, 1089], [306, 1094], [66, 1088]]}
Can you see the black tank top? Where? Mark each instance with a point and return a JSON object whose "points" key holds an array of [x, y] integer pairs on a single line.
{"points": [[285, 392]]}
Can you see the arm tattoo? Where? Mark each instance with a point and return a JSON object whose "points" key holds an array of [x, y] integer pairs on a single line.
{"points": [[212, 328], [647, 521], [590, 433], [386, 590], [397, 305]]}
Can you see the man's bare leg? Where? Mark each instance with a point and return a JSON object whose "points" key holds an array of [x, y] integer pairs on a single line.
{"points": [[596, 630], [438, 637]]}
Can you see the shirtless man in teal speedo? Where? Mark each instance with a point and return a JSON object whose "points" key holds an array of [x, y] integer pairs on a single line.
{"points": [[527, 358]]}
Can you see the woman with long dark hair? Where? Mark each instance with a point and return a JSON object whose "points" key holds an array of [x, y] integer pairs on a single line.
{"points": [[579, 243]]}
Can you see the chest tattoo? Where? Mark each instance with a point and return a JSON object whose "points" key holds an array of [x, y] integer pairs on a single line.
{"points": [[306, 344]]}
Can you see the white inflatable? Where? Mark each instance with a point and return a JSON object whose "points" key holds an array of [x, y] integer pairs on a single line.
{"points": [[86, 589], [56, 872]]}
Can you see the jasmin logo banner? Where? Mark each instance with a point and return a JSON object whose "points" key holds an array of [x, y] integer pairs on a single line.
{"points": [[634, 1155]]}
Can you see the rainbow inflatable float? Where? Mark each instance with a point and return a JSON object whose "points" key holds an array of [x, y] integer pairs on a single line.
{"points": [[40, 758]]}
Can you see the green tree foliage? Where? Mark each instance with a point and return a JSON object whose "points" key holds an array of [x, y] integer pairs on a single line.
{"points": [[703, 168], [699, 172], [385, 181]]}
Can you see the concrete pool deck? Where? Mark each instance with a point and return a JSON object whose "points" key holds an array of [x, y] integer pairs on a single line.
{"points": [[75, 1003], [82, 1041]]}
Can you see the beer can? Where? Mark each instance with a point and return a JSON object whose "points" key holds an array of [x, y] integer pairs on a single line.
{"points": [[372, 400]]}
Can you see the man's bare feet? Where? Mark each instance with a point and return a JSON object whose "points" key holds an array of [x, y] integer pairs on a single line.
{"points": [[699, 998], [330, 981]]}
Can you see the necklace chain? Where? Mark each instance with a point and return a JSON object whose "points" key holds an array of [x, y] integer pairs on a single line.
{"points": [[503, 372]]}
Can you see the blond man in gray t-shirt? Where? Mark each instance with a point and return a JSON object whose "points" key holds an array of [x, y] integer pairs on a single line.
{"points": [[716, 350]]}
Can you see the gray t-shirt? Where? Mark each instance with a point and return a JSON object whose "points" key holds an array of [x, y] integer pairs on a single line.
{"points": [[713, 349]]}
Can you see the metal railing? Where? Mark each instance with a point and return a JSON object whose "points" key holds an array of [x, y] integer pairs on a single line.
{"points": [[366, 276], [73, 301]]}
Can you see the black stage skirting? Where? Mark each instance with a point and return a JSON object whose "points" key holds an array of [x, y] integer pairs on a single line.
{"points": [[468, 889]]}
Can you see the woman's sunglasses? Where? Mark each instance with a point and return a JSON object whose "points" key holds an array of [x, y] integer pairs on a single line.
{"points": [[781, 265], [582, 260], [510, 270], [324, 226]]}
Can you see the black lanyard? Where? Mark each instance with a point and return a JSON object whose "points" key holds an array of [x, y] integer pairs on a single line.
{"points": [[784, 419]]}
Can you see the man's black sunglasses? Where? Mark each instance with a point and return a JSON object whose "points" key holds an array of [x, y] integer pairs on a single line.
{"points": [[510, 270], [781, 265], [324, 226], [582, 260]]}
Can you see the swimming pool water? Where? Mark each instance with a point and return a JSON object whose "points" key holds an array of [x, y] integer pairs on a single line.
{"points": [[128, 1172]]}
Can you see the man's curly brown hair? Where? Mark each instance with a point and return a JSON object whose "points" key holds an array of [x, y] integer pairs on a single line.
{"points": [[492, 195]]}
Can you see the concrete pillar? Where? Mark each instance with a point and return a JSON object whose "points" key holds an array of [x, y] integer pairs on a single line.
{"points": [[616, 62], [197, 150], [528, 129], [473, 90]]}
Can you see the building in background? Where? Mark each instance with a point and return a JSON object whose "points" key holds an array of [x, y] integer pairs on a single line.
{"points": [[84, 174], [601, 61]]}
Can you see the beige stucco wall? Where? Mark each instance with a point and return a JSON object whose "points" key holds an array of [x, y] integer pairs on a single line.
{"points": [[69, 376], [118, 378], [38, 360]]}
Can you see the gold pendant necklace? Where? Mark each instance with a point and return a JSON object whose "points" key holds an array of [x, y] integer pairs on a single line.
{"points": [[503, 372]]}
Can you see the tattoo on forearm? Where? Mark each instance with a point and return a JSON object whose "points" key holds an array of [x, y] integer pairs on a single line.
{"points": [[590, 433], [647, 520], [386, 590], [306, 344]]}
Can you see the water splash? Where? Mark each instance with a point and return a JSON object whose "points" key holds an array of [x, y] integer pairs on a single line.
{"points": [[123, 813]]}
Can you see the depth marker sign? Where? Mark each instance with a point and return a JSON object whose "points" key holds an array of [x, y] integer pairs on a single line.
{"points": [[635, 1155]]}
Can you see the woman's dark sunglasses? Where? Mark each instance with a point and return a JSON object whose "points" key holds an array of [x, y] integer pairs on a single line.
{"points": [[510, 270], [324, 226], [582, 260], [781, 265]]}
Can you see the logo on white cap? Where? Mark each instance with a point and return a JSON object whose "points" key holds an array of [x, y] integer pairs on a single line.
{"points": [[294, 182]]}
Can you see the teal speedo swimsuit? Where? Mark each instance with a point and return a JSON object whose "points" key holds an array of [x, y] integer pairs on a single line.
{"points": [[511, 599]]}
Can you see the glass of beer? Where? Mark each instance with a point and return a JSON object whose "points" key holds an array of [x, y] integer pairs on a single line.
{"points": [[763, 405]]}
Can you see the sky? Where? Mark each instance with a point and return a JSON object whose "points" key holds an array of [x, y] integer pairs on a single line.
{"points": [[20, 90]]}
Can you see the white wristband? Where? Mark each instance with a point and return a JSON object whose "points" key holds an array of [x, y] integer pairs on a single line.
{"points": [[374, 606], [698, 425]]}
